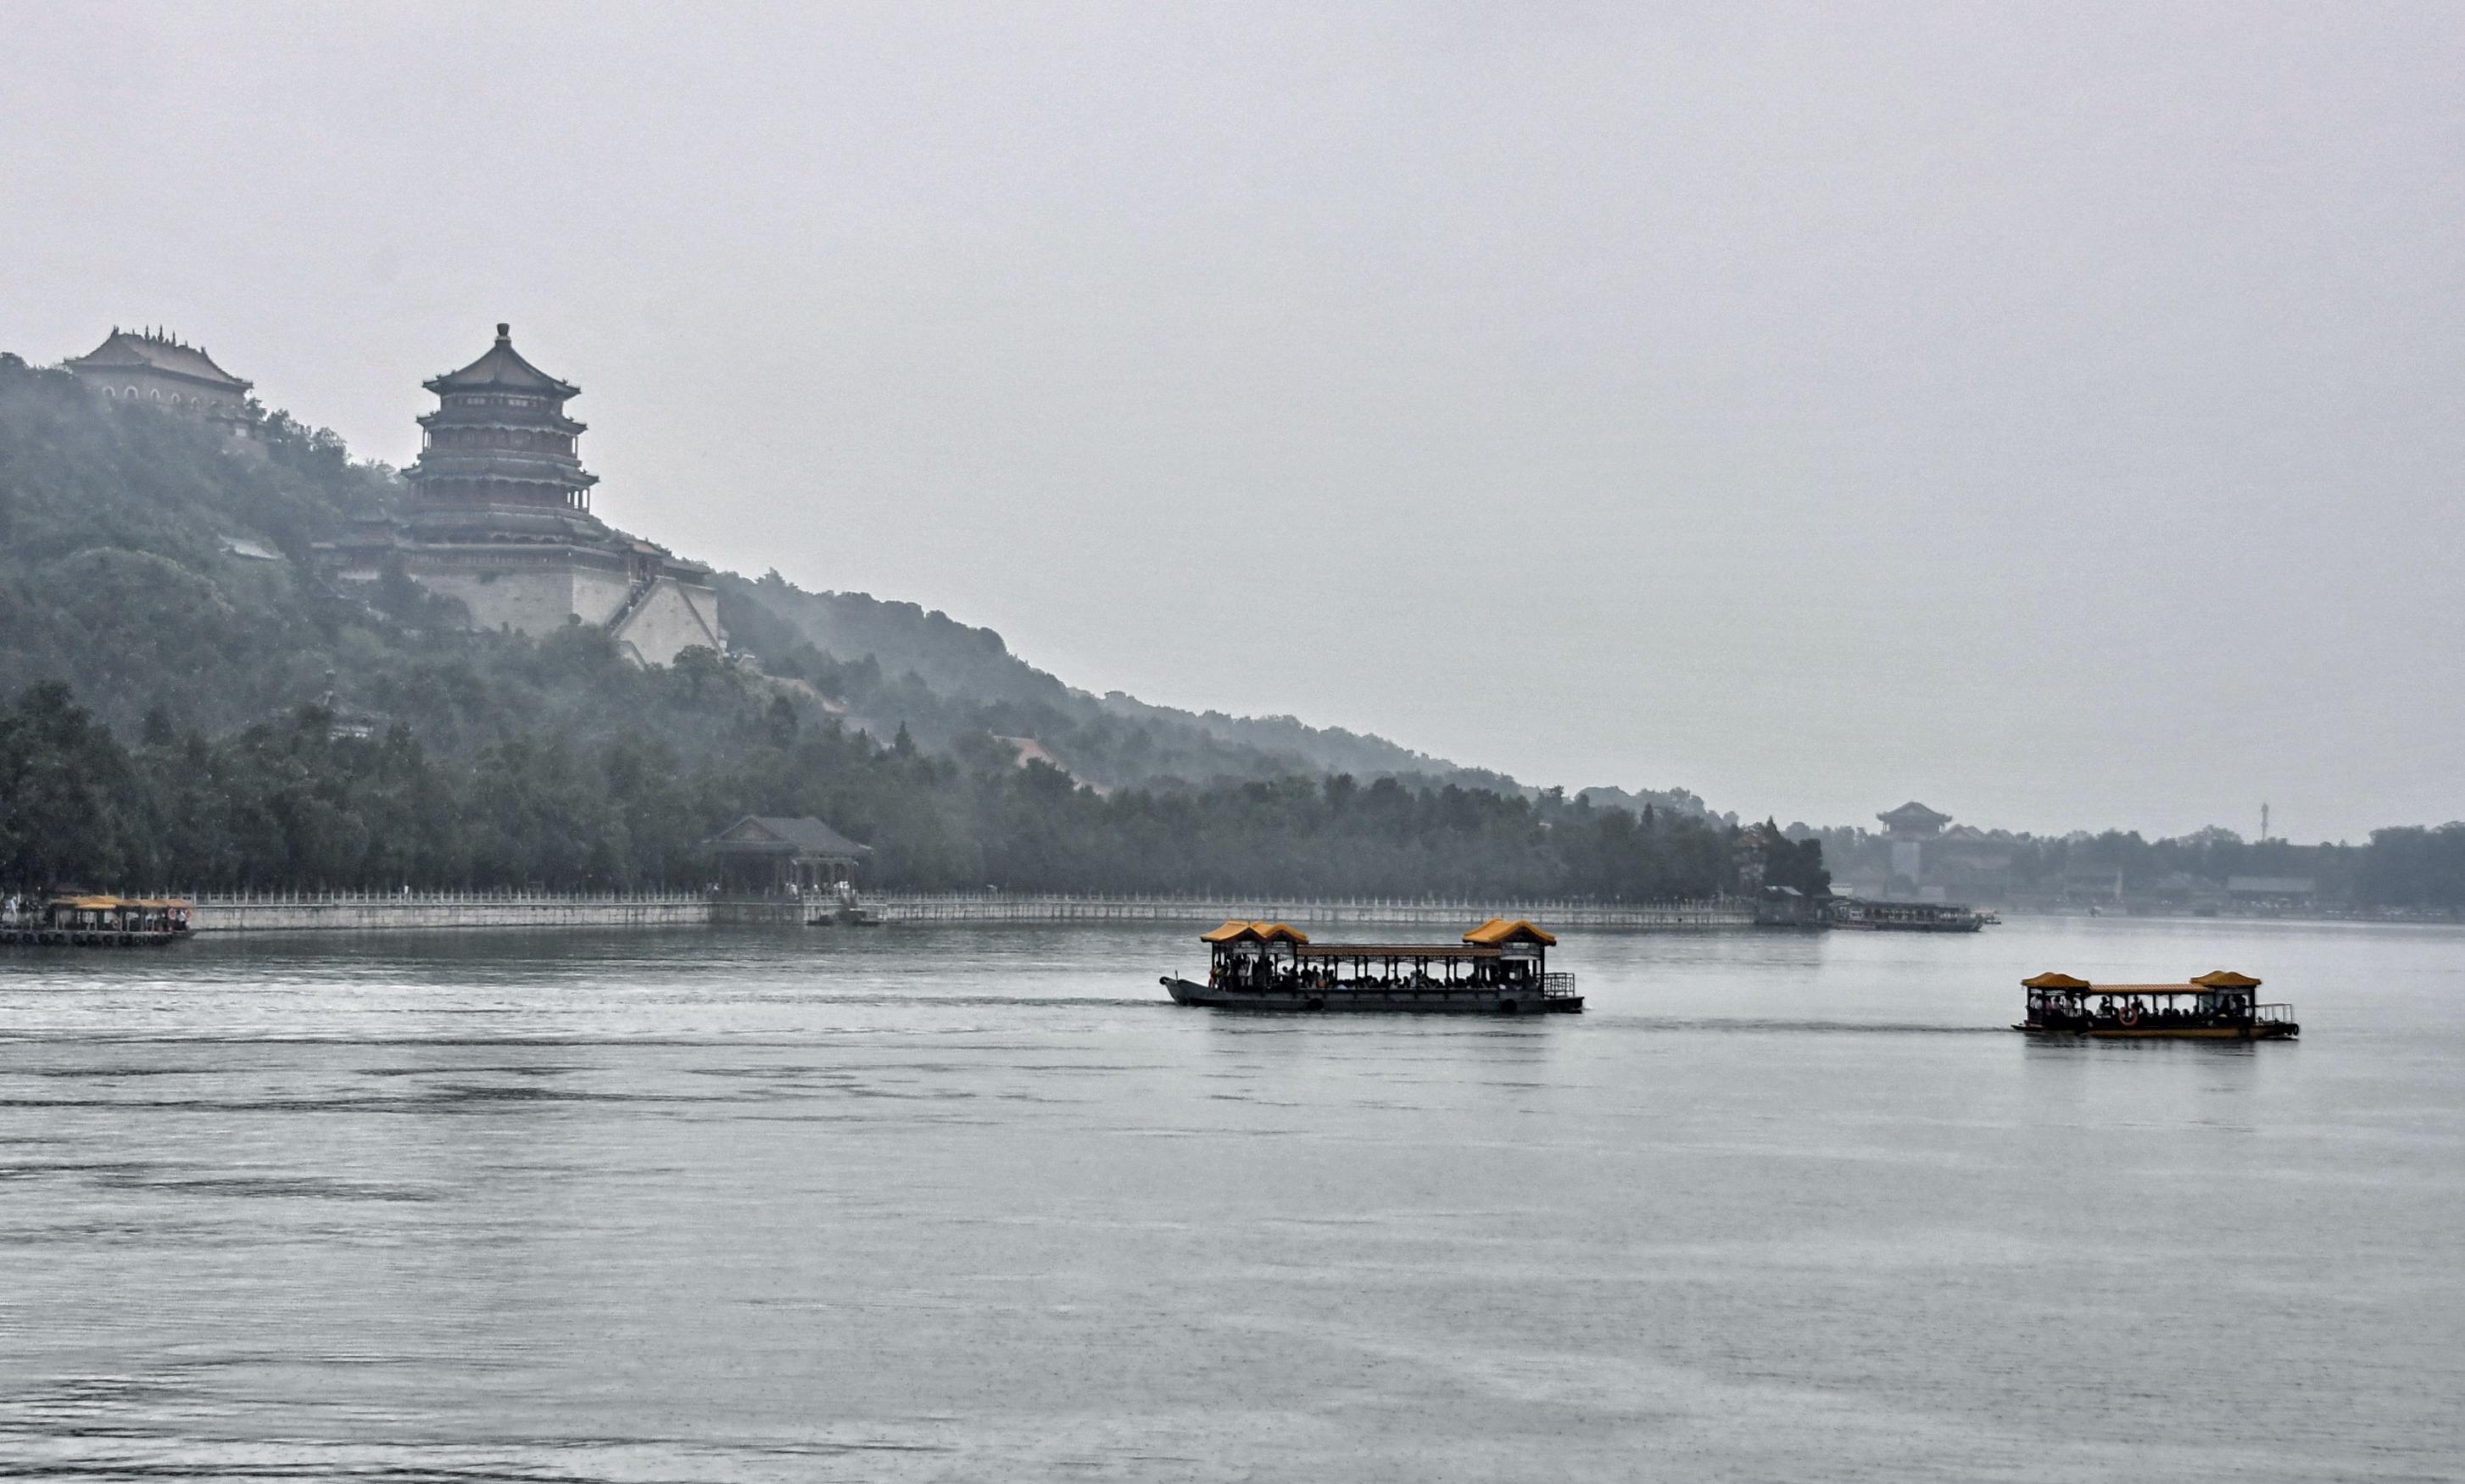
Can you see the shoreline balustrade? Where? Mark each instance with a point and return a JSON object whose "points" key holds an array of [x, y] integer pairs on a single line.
{"points": [[227, 909]]}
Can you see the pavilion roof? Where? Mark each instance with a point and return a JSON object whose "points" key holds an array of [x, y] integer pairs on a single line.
{"points": [[144, 351], [774, 834], [1914, 815], [502, 367]]}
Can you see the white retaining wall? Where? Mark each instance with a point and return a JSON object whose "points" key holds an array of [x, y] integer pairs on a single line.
{"points": [[373, 912], [981, 907], [379, 912]]}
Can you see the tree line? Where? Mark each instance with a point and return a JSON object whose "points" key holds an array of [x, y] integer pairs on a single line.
{"points": [[2400, 867], [305, 803]]}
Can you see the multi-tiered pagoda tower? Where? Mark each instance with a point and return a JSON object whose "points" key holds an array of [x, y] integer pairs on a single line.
{"points": [[499, 518], [499, 449]]}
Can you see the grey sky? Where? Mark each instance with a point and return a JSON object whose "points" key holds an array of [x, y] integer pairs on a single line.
{"points": [[2052, 414]]}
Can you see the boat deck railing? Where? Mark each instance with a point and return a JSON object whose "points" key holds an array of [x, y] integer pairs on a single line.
{"points": [[1558, 986], [2272, 1014]]}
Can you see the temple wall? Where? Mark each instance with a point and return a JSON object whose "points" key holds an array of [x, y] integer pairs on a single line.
{"points": [[528, 599], [537, 590], [535, 595], [153, 388], [598, 594], [673, 618]]}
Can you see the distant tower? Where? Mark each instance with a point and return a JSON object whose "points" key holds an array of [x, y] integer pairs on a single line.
{"points": [[499, 442], [499, 519], [1909, 828]]}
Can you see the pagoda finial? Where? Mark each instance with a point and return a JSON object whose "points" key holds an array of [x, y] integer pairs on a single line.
{"points": [[504, 333]]}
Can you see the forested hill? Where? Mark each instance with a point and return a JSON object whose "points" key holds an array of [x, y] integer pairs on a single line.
{"points": [[168, 648], [897, 663], [1111, 740]]}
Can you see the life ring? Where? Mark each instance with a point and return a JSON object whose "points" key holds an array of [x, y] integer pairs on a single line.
{"points": [[2128, 1016]]}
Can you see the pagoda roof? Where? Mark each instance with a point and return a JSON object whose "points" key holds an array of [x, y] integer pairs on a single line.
{"points": [[154, 350], [503, 368], [1914, 815], [497, 464], [512, 419]]}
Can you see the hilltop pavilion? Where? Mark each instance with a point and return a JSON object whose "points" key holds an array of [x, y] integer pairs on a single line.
{"points": [[160, 369]]}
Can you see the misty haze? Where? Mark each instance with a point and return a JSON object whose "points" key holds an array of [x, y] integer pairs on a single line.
{"points": [[1395, 743]]}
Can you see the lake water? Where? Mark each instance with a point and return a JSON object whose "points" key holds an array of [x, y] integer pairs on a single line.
{"points": [[978, 1203]]}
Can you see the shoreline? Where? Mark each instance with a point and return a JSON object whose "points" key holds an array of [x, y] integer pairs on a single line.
{"points": [[358, 912]]}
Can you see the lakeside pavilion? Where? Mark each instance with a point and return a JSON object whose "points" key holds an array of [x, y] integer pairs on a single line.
{"points": [[768, 855]]}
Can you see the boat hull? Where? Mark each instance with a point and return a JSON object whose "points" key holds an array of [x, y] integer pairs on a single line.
{"points": [[85, 937], [1389, 1002], [1971, 925], [2268, 1030]]}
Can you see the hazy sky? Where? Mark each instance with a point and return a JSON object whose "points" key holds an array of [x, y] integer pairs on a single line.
{"points": [[2049, 412]]}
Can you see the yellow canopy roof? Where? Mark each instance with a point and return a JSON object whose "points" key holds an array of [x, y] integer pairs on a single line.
{"points": [[2222, 979], [1499, 930], [91, 904], [1263, 932]]}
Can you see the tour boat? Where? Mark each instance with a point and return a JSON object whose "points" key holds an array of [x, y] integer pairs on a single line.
{"points": [[2222, 1005], [95, 921], [1909, 917], [1500, 968]]}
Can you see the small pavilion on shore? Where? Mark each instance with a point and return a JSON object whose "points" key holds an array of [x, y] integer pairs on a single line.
{"points": [[765, 854]]}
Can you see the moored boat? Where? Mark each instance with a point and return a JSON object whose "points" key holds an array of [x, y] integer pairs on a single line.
{"points": [[1499, 969], [95, 921], [1909, 917], [2219, 1006]]}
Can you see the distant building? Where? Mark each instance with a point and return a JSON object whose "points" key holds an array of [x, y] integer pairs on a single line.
{"points": [[1916, 857], [499, 519], [157, 369], [765, 854], [1907, 830]]}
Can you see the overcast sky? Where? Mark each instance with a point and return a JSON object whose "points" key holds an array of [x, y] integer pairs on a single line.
{"points": [[2051, 412]]}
